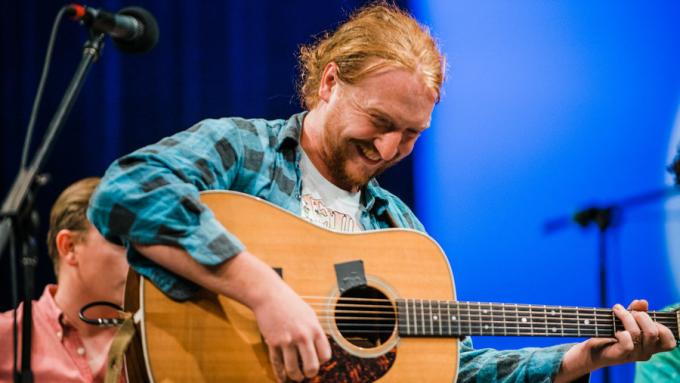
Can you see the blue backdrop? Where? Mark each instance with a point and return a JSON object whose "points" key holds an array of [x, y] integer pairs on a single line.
{"points": [[549, 107]]}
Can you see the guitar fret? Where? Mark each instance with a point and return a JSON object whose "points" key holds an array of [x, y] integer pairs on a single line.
{"points": [[448, 317], [524, 324], [422, 316], [480, 317], [402, 314], [427, 319], [588, 323], [493, 320], [555, 326], [554, 311], [423, 311], [575, 312], [439, 317], [551, 322], [468, 315], [611, 330], [487, 317], [460, 328], [595, 324], [403, 328], [538, 327], [410, 318], [415, 316]]}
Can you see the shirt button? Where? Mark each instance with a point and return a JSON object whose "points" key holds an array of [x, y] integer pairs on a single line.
{"points": [[81, 351]]}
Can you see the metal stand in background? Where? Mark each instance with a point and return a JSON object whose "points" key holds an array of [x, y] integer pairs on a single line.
{"points": [[603, 216], [18, 217]]}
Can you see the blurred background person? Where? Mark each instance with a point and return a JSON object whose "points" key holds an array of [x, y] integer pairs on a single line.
{"points": [[88, 269]]}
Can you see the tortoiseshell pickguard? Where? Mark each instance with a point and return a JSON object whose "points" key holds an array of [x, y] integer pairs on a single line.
{"points": [[347, 368]]}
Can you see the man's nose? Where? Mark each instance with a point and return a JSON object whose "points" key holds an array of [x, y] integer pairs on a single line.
{"points": [[388, 145]]}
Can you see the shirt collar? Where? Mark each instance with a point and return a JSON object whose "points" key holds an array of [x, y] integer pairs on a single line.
{"points": [[51, 310], [291, 131], [373, 196]]}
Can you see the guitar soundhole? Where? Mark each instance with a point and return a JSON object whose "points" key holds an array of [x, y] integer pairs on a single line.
{"points": [[365, 317]]}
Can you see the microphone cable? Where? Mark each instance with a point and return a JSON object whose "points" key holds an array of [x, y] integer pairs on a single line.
{"points": [[41, 86]]}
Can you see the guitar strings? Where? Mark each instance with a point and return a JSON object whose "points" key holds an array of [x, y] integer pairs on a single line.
{"points": [[497, 325], [502, 315], [433, 330], [496, 318], [506, 325], [464, 323], [510, 331], [472, 306], [604, 314], [476, 313], [342, 315], [496, 333]]}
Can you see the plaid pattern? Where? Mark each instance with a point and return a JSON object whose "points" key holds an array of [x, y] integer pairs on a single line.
{"points": [[663, 367], [151, 196]]}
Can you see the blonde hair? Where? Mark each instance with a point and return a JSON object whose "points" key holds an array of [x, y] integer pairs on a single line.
{"points": [[377, 36], [68, 212]]}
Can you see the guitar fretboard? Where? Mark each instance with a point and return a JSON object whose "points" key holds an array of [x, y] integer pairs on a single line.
{"points": [[432, 318]]}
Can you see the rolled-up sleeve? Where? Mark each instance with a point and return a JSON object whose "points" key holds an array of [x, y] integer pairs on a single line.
{"points": [[536, 365], [151, 196]]}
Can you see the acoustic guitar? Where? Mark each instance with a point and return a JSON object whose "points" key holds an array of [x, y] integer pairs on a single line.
{"points": [[386, 300]]}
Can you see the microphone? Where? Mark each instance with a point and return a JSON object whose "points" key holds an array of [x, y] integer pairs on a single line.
{"points": [[674, 168], [132, 29]]}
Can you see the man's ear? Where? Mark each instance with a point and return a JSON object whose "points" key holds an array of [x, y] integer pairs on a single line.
{"points": [[329, 79], [66, 241]]}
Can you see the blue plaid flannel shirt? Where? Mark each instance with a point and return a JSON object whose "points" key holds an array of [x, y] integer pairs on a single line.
{"points": [[151, 196]]}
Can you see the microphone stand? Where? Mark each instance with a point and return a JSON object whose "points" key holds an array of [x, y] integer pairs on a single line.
{"points": [[602, 216], [18, 217]]}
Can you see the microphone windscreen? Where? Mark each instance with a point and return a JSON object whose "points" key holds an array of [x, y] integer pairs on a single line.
{"points": [[149, 37]]}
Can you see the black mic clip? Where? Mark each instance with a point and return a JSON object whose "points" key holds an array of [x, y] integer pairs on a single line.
{"points": [[601, 216], [674, 168]]}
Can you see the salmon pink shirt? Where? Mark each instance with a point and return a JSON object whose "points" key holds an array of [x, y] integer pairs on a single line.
{"points": [[58, 351]]}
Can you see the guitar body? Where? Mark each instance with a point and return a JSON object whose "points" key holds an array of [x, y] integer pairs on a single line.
{"points": [[215, 339]]}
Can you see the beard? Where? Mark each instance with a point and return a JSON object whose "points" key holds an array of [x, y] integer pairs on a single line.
{"points": [[341, 153]]}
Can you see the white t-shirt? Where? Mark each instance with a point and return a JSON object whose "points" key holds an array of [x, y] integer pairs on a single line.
{"points": [[325, 204]]}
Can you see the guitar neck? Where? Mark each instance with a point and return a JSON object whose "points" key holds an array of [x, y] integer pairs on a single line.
{"points": [[432, 318]]}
